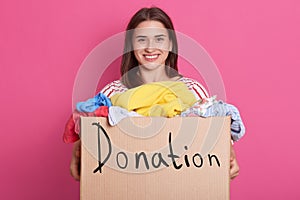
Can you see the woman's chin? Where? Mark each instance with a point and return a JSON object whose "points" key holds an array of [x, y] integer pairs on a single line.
{"points": [[151, 65]]}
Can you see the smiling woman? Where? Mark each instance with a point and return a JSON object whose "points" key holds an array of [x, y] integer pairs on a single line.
{"points": [[150, 55]]}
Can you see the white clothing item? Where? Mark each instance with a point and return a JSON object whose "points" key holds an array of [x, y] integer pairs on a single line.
{"points": [[117, 113]]}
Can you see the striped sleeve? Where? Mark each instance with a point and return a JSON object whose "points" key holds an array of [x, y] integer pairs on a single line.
{"points": [[112, 88], [198, 90]]}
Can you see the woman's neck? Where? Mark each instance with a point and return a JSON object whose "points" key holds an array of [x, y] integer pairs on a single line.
{"points": [[149, 76]]}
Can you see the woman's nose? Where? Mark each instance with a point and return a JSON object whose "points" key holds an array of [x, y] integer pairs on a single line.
{"points": [[150, 46], [149, 49]]}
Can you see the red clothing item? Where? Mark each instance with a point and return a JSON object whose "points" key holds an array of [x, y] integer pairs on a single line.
{"points": [[69, 134], [72, 128]]}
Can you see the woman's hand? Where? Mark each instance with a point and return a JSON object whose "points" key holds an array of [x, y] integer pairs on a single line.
{"points": [[75, 160], [234, 167]]}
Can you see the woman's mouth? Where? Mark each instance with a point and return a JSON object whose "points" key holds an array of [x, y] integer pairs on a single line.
{"points": [[151, 57]]}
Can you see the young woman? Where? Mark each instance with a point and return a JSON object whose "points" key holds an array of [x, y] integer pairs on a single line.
{"points": [[150, 55]]}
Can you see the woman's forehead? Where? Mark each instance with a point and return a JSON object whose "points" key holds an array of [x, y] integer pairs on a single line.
{"points": [[150, 32], [150, 28]]}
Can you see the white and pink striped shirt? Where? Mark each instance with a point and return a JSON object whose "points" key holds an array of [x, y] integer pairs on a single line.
{"points": [[194, 86]]}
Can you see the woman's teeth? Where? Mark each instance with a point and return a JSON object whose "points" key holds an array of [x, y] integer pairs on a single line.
{"points": [[151, 56]]}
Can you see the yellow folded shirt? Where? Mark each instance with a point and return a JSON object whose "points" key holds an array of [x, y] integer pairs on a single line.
{"points": [[167, 98]]}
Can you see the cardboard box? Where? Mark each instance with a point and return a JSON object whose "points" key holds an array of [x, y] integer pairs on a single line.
{"points": [[155, 158]]}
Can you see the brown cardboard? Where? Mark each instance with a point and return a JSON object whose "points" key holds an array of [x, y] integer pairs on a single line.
{"points": [[202, 179]]}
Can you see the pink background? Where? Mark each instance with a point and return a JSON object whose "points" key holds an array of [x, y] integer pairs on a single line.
{"points": [[255, 45]]}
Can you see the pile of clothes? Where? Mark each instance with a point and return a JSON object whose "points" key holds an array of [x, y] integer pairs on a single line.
{"points": [[163, 99]]}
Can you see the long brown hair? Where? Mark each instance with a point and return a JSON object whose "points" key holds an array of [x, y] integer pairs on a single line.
{"points": [[130, 63]]}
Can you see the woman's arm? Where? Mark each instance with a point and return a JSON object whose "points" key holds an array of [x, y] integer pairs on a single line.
{"points": [[75, 160]]}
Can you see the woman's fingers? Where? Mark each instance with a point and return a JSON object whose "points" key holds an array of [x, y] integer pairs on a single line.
{"points": [[234, 166], [234, 169]]}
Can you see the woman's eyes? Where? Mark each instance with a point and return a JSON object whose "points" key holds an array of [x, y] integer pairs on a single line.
{"points": [[160, 39], [141, 40]]}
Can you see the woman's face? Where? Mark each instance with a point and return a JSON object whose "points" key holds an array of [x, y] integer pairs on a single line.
{"points": [[151, 44]]}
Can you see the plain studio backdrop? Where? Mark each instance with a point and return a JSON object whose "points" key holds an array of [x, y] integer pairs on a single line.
{"points": [[255, 45]]}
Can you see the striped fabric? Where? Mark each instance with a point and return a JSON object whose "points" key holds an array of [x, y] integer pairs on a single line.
{"points": [[195, 87]]}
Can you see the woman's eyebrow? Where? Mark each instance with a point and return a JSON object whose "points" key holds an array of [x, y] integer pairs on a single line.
{"points": [[161, 35], [141, 36]]}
